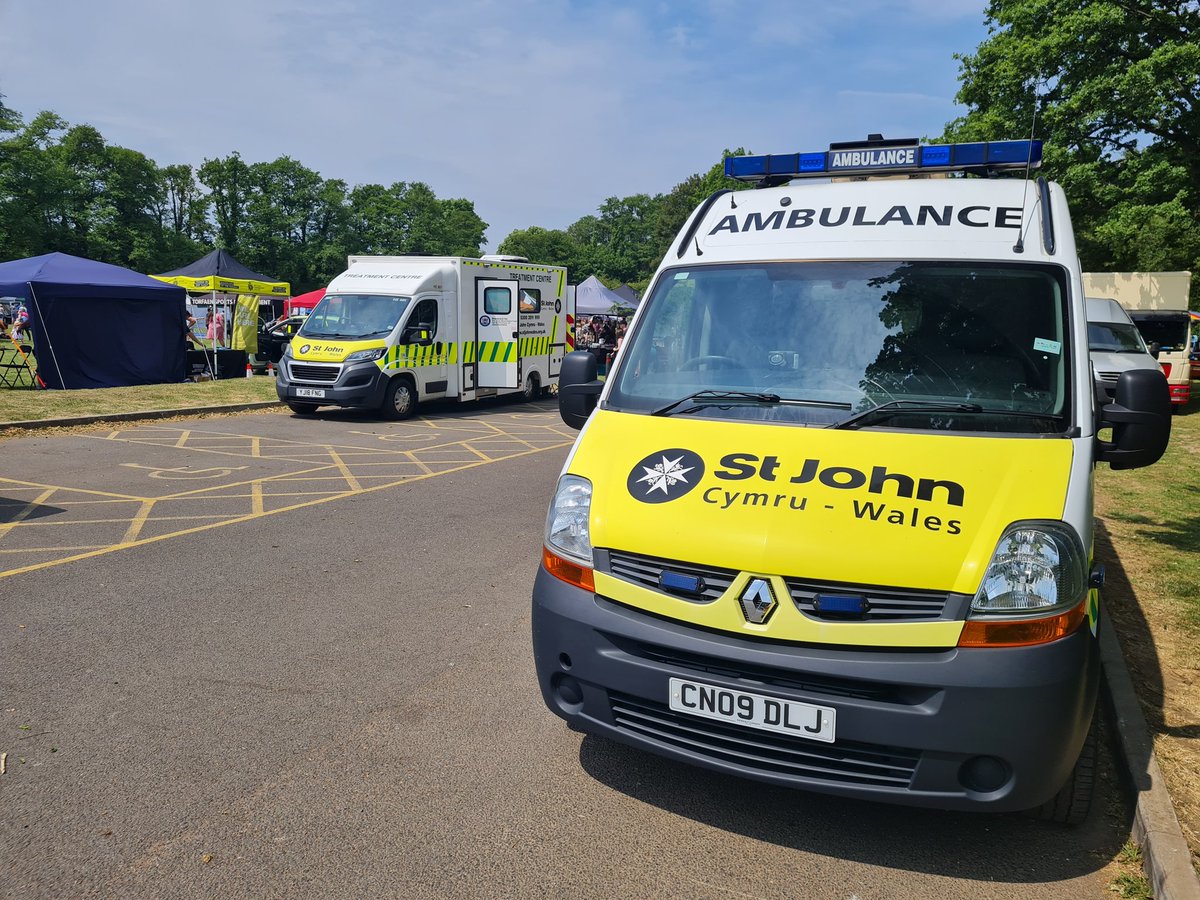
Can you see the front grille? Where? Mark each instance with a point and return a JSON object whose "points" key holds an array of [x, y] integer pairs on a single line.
{"points": [[645, 570], [752, 677], [842, 762], [883, 604], [320, 374]]}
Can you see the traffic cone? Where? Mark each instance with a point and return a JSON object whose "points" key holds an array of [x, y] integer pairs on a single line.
{"points": [[270, 369], [249, 371]]}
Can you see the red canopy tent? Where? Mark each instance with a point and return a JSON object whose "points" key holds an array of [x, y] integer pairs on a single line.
{"points": [[304, 303]]}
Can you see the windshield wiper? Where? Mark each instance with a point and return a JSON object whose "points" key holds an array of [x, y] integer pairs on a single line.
{"points": [[884, 410], [702, 399], [710, 398]]}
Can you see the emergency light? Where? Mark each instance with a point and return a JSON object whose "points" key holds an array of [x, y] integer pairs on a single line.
{"points": [[880, 157]]}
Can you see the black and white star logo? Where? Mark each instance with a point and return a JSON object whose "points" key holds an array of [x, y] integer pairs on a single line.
{"points": [[665, 475]]}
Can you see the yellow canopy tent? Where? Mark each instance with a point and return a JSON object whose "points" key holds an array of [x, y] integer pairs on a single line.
{"points": [[219, 274]]}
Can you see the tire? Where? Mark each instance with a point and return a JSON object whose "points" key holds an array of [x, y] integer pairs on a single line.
{"points": [[1070, 806], [302, 409], [399, 400], [533, 387]]}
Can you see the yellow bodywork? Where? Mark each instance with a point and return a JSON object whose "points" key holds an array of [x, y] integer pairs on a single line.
{"points": [[818, 504]]}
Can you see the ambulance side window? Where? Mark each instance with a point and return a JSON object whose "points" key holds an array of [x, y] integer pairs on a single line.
{"points": [[426, 316], [497, 301], [531, 300]]}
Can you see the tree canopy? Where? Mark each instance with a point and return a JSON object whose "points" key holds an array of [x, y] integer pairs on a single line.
{"points": [[1115, 88], [62, 188]]}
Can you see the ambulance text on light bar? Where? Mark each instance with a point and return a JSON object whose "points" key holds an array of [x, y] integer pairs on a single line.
{"points": [[988, 156]]}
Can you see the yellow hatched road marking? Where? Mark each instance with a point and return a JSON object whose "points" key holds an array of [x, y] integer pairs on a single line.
{"points": [[346, 473], [336, 472], [245, 518], [139, 520]]}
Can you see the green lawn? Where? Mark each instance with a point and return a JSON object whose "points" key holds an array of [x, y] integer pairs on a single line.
{"points": [[23, 404]]}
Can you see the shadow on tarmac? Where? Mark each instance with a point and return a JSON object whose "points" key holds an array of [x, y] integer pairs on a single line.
{"points": [[988, 847], [12, 510], [437, 409]]}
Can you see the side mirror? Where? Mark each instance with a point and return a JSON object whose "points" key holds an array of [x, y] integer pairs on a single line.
{"points": [[415, 334], [1140, 418], [578, 387]]}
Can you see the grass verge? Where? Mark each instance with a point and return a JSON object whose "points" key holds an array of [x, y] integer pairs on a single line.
{"points": [[22, 404], [1148, 537]]}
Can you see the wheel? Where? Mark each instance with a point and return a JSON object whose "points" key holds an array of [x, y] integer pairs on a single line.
{"points": [[302, 409], [400, 399], [1071, 804], [533, 387]]}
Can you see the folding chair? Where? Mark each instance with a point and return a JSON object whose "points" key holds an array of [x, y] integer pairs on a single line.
{"points": [[14, 371]]}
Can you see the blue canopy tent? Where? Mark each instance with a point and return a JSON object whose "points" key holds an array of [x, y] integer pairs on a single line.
{"points": [[97, 325]]}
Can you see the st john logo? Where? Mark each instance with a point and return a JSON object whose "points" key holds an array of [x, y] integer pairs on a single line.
{"points": [[665, 475]]}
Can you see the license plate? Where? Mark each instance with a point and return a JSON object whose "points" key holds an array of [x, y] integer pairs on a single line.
{"points": [[310, 392], [802, 720]]}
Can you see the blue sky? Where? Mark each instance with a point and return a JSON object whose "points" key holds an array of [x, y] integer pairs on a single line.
{"points": [[537, 110]]}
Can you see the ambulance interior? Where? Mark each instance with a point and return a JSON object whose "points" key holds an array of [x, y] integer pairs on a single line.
{"points": [[964, 346]]}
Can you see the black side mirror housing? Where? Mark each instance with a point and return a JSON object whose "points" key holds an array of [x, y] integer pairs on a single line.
{"points": [[1140, 418], [578, 387]]}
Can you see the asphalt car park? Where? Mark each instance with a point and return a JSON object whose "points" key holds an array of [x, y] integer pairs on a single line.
{"points": [[264, 655]]}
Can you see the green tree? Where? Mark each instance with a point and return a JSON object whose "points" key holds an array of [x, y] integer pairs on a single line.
{"points": [[1115, 85], [183, 205], [228, 183], [549, 247]]}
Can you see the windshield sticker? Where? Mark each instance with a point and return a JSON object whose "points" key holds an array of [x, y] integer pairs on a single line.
{"points": [[1044, 345], [681, 276]]}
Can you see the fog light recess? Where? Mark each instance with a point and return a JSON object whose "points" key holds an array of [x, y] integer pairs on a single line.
{"points": [[984, 774]]}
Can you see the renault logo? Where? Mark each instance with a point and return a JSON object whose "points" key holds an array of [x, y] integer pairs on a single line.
{"points": [[757, 601]]}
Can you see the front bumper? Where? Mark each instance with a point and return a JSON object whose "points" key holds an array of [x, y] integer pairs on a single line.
{"points": [[991, 729], [357, 384]]}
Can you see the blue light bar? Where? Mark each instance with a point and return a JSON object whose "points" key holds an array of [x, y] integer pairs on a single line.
{"points": [[867, 159]]}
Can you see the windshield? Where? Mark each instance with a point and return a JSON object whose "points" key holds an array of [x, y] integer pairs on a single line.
{"points": [[1114, 338], [1170, 333], [354, 316], [965, 346]]}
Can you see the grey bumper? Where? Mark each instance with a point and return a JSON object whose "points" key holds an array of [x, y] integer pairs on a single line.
{"points": [[993, 729]]}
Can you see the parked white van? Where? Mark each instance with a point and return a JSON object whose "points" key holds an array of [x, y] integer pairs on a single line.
{"points": [[1115, 345]]}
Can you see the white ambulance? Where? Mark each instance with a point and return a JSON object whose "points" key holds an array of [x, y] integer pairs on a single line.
{"points": [[394, 330], [828, 522]]}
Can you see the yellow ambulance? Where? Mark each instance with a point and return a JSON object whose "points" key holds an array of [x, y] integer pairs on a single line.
{"points": [[828, 521]]}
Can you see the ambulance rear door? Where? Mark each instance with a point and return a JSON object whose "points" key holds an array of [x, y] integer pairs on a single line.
{"points": [[496, 333]]}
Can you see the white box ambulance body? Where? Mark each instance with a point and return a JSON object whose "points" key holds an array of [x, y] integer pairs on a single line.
{"points": [[828, 522], [393, 330]]}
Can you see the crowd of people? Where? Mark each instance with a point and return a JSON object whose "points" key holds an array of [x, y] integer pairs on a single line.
{"points": [[606, 330]]}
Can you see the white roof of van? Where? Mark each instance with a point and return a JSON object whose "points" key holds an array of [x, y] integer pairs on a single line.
{"points": [[944, 218]]}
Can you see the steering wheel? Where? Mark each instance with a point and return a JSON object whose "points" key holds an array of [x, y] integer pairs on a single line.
{"points": [[711, 362]]}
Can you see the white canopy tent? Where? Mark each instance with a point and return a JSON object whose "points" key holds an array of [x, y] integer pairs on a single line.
{"points": [[593, 299]]}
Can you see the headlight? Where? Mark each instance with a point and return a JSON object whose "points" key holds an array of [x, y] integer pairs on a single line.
{"points": [[1037, 567], [287, 350], [567, 520], [361, 355]]}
